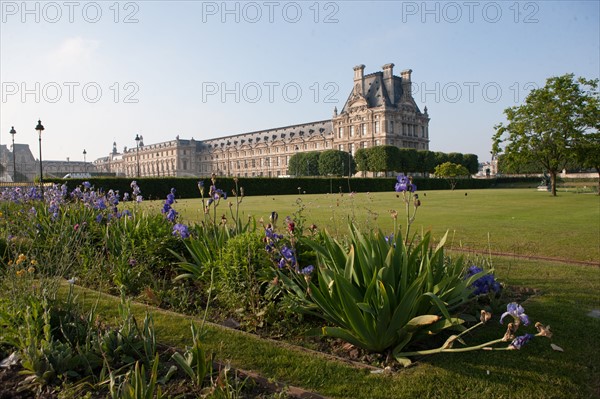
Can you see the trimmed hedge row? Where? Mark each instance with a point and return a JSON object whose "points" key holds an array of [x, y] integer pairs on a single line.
{"points": [[158, 188]]}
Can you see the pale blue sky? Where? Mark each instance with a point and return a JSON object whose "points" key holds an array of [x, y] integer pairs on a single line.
{"points": [[470, 61]]}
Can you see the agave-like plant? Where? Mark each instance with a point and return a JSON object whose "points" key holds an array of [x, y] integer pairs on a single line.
{"points": [[380, 293]]}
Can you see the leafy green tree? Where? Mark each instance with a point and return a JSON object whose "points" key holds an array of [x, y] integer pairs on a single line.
{"points": [[383, 158], [408, 160], [456, 157], [451, 172], [425, 161], [440, 158], [335, 162], [587, 151], [295, 164], [547, 127], [471, 162], [526, 168], [312, 163], [362, 161]]}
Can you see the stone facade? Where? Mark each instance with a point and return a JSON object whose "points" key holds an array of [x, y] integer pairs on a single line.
{"points": [[380, 110], [28, 167]]}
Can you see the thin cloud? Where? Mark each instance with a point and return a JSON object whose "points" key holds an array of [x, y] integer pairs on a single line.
{"points": [[74, 51]]}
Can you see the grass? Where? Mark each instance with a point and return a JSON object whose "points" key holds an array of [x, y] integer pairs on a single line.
{"points": [[567, 294], [514, 221]]}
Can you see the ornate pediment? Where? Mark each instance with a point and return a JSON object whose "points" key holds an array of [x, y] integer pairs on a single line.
{"points": [[357, 103]]}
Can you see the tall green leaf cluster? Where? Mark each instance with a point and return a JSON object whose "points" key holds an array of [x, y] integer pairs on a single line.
{"points": [[382, 294]]}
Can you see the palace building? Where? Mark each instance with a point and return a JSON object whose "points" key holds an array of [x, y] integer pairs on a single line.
{"points": [[380, 110]]}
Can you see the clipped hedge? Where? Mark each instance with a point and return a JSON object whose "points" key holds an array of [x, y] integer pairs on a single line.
{"points": [[159, 187]]}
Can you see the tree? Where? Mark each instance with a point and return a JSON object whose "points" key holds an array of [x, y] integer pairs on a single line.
{"points": [[587, 151], [471, 162], [408, 160], [426, 161], [440, 158], [547, 127], [361, 158], [335, 162], [451, 172], [383, 158]]}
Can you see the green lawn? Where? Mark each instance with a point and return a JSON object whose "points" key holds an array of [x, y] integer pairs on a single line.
{"points": [[567, 293], [516, 221]]}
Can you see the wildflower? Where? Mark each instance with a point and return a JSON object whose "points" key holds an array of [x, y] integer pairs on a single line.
{"points": [[72, 280], [20, 272], [518, 342], [485, 316], [22, 258], [87, 185], [76, 227], [307, 270], [543, 331], [485, 284], [31, 269], [171, 215], [394, 214], [181, 230], [517, 312], [34, 262], [510, 332], [404, 183], [99, 218]]}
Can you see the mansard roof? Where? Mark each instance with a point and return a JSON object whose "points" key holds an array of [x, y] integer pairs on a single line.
{"points": [[302, 132]]}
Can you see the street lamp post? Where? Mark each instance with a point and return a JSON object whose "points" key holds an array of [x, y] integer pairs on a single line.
{"points": [[137, 153], [84, 161], [13, 132], [40, 129]]}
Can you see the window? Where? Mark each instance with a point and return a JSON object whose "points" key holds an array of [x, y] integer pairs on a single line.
{"points": [[363, 129], [376, 127], [351, 131], [363, 144], [341, 147], [340, 132], [352, 148]]}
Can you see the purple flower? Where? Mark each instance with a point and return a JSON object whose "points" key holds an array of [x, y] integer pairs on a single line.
{"points": [[518, 342], [517, 312], [404, 183], [99, 218], [307, 270], [87, 185], [181, 230], [171, 215], [484, 284]]}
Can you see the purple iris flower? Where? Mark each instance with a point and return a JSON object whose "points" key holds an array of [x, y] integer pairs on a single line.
{"points": [[404, 184], [518, 342], [181, 230], [517, 312], [307, 270]]}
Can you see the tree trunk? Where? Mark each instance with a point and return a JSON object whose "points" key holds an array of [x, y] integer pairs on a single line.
{"points": [[598, 170], [553, 182]]}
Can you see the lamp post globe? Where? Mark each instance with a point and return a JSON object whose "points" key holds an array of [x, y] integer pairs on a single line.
{"points": [[40, 129]]}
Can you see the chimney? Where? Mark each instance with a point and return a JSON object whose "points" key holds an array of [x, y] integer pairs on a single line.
{"points": [[406, 84], [388, 81], [359, 79]]}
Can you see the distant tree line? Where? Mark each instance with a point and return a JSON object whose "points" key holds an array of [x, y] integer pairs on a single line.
{"points": [[385, 158]]}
